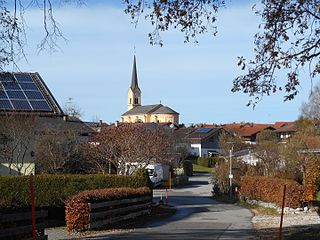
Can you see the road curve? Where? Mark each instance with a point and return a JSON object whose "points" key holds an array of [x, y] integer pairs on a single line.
{"points": [[197, 217]]}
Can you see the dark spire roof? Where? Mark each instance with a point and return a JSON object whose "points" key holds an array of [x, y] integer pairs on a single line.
{"points": [[134, 80]]}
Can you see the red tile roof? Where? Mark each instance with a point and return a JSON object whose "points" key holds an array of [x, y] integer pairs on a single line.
{"points": [[287, 128], [246, 129], [277, 125]]}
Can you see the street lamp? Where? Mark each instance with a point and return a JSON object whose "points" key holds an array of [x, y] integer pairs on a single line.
{"points": [[230, 171]]}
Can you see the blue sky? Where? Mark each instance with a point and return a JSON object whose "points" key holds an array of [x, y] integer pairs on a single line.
{"points": [[94, 66]]}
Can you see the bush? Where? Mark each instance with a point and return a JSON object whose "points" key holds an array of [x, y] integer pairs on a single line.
{"points": [[220, 175], [188, 168], [53, 190], [207, 162], [77, 208], [270, 189]]}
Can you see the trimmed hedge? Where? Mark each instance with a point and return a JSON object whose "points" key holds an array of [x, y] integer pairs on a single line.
{"points": [[53, 190], [207, 161], [269, 189], [77, 208]]}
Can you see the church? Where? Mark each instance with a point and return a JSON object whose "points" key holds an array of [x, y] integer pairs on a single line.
{"points": [[137, 113]]}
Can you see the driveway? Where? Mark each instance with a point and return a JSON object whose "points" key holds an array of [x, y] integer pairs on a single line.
{"points": [[197, 217]]}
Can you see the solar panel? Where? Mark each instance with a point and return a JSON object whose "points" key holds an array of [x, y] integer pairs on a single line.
{"points": [[11, 85], [34, 95], [23, 77], [6, 77], [203, 130], [40, 105], [5, 104], [20, 91], [3, 95], [28, 86], [16, 95], [21, 105]]}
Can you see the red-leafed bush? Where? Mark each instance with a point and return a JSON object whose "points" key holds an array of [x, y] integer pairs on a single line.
{"points": [[270, 189], [77, 209]]}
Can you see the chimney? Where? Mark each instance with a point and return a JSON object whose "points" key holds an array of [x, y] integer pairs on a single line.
{"points": [[65, 118], [116, 123]]}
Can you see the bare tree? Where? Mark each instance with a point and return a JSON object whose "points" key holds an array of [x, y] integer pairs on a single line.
{"points": [[56, 148], [267, 151], [17, 143], [311, 109], [130, 145], [13, 25]]}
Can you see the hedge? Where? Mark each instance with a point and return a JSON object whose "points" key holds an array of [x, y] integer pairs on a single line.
{"points": [[53, 190], [269, 189], [77, 208]]}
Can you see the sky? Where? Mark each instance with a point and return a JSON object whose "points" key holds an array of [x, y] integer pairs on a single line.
{"points": [[93, 68]]}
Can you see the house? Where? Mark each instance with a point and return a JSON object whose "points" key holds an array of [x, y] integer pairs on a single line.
{"points": [[204, 142], [28, 110], [156, 113], [247, 131], [286, 131]]}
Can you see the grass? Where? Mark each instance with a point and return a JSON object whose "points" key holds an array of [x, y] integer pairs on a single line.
{"points": [[200, 169]]}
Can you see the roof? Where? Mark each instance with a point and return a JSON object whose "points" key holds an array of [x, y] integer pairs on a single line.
{"points": [[277, 125], [164, 110], [134, 79], [287, 128], [23, 92], [246, 129], [154, 109], [138, 110], [201, 133]]}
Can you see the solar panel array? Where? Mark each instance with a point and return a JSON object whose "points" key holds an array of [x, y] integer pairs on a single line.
{"points": [[18, 91], [203, 130]]}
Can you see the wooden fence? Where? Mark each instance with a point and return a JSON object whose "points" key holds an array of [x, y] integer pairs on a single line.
{"points": [[18, 225], [110, 212]]}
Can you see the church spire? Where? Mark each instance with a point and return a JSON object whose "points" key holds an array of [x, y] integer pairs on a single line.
{"points": [[134, 79], [134, 92]]}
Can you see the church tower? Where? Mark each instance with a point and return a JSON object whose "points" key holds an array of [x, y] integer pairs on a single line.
{"points": [[134, 92]]}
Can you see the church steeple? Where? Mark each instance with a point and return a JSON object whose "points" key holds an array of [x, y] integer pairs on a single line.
{"points": [[134, 92], [134, 79]]}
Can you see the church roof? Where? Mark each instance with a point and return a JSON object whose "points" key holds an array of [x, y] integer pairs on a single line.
{"points": [[142, 110], [154, 109], [164, 110], [134, 79]]}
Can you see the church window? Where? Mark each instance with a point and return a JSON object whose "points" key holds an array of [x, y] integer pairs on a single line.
{"points": [[136, 101], [129, 100]]}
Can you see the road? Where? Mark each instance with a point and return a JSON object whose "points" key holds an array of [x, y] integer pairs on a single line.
{"points": [[197, 217]]}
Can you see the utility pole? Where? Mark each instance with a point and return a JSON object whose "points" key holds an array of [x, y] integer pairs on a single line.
{"points": [[230, 171]]}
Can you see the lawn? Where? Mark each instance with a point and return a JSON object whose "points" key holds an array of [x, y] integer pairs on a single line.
{"points": [[201, 169]]}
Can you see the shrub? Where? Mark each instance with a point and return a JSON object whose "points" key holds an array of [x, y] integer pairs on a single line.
{"points": [[269, 189], [207, 161], [53, 190], [220, 175], [77, 209], [188, 168]]}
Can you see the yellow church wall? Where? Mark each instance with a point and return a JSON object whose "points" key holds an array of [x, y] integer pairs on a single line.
{"points": [[165, 118], [151, 118]]}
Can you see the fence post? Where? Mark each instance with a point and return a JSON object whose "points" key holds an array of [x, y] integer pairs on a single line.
{"points": [[33, 209], [282, 210]]}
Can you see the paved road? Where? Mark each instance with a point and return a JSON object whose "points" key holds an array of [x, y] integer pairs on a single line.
{"points": [[197, 217]]}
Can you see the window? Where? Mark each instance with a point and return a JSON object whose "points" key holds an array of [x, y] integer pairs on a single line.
{"points": [[136, 101]]}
